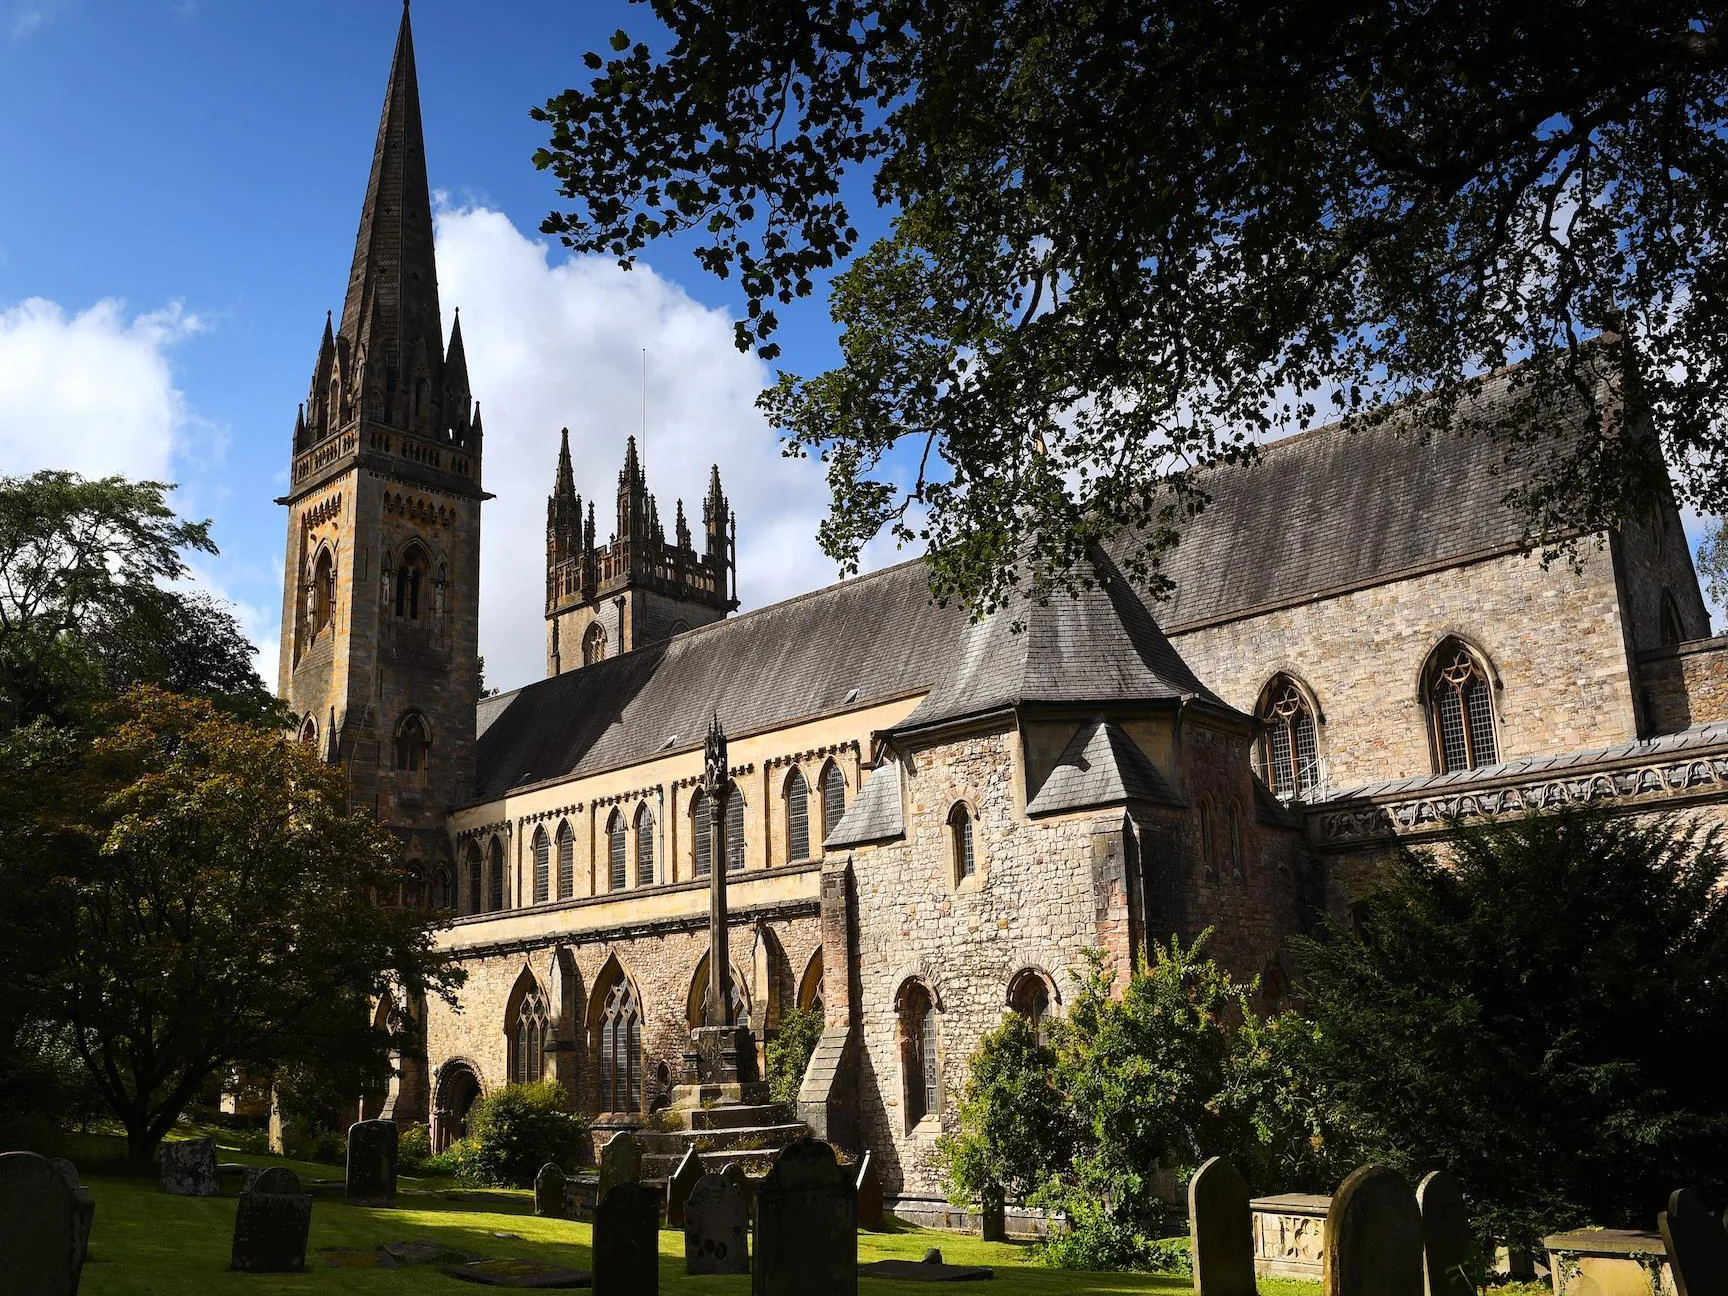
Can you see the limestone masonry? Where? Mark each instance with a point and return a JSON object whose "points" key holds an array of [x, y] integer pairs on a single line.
{"points": [[930, 823]]}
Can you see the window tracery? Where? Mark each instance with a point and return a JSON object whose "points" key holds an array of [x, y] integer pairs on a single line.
{"points": [[410, 577], [533, 1031], [594, 644], [1461, 708], [412, 740], [1289, 745], [621, 1050]]}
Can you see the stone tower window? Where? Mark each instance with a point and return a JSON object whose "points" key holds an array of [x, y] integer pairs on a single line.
{"points": [[442, 890], [321, 598], [528, 1046], [1029, 995], [566, 860], [621, 1050], [1208, 838], [797, 817], [1460, 708], [615, 851], [594, 644], [495, 876], [1238, 871], [918, 1056], [960, 842], [644, 846], [475, 900], [542, 866], [734, 828], [701, 836], [1289, 746], [833, 797], [412, 740], [410, 579]]}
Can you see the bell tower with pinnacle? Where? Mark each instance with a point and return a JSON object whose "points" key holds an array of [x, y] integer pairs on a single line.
{"points": [[380, 607]]}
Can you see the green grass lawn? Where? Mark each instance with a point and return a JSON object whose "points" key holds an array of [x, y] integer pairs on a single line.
{"points": [[148, 1243]]}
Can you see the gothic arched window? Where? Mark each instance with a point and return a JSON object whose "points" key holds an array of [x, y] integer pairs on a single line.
{"points": [[960, 848], [797, 817], [566, 860], [701, 836], [734, 828], [412, 740], [410, 577], [644, 846], [321, 597], [918, 1057], [621, 1050], [594, 644], [542, 866], [1289, 746], [309, 731], [533, 1029], [1029, 995], [442, 890], [1208, 838], [1673, 629], [833, 786], [475, 900], [495, 876], [1460, 708], [1238, 869], [615, 851]]}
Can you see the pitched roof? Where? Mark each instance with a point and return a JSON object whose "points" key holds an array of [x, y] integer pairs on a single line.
{"points": [[848, 645], [876, 813], [1100, 646], [1335, 509], [1101, 766]]}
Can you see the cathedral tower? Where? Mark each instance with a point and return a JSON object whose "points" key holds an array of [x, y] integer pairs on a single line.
{"points": [[380, 605], [602, 600]]}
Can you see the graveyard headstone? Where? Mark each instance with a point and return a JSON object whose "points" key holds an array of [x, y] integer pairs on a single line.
{"points": [[717, 1224], [372, 1163], [869, 1184], [627, 1241], [189, 1168], [271, 1225], [620, 1162], [1445, 1236], [806, 1225], [1221, 1231], [83, 1207], [930, 1269], [551, 1192], [993, 1220], [678, 1187], [1697, 1245], [38, 1239], [1373, 1236]]}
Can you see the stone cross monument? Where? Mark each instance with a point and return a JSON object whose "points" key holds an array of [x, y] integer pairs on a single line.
{"points": [[717, 1007]]}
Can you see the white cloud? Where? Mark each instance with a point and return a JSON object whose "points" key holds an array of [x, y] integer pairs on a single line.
{"points": [[556, 344]]}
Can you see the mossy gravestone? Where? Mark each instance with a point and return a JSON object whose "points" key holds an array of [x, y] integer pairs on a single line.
{"points": [[271, 1225], [1445, 1236], [806, 1226], [717, 1224], [372, 1163], [1374, 1236], [627, 1241], [620, 1162], [38, 1239], [189, 1168], [1221, 1231], [1697, 1245], [551, 1192]]}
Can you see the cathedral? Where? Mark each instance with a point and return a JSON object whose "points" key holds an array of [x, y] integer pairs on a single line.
{"points": [[929, 822]]}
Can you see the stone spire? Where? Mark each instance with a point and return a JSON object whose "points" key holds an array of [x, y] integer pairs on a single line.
{"points": [[715, 516], [390, 316], [456, 361], [633, 502]]}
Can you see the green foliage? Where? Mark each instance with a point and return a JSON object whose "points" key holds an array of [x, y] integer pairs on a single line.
{"points": [[1528, 1014], [1014, 1124], [1125, 239], [789, 1052], [515, 1130], [413, 1148], [1288, 1130], [1713, 562], [305, 1140]]}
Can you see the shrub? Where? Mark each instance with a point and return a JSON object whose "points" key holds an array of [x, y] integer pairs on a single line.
{"points": [[305, 1140], [789, 1052], [519, 1128], [1097, 1238], [413, 1148], [458, 1161]]}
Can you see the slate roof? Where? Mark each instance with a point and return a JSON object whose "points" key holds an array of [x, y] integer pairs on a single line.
{"points": [[1331, 509], [1101, 766], [1101, 646], [876, 813], [851, 644]]}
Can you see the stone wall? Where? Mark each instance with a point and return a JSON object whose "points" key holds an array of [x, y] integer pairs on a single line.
{"points": [[1685, 685], [1554, 637]]}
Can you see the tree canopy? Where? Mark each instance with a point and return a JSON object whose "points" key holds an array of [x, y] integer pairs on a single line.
{"points": [[1129, 240]]}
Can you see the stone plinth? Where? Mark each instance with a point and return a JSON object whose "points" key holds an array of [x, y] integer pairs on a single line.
{"points": [[1290, 1235], [1609, 1262], [722, 1055]]}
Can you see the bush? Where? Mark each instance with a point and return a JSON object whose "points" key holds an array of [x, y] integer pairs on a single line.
{"points": [[458, 1161], [303, 1140], [413, 1148], [1097, 1239], [519, 1128], [789, 1052]]}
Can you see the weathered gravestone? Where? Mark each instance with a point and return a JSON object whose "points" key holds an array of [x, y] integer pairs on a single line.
{"points": [[869, 1185], [717, 1224], [372, 1163], [620, 1162], [1221, 1231], [1697, 1245], [1373, 1236], [83, 1207], [806, 1226], [684, 1178], [38, 1239], [271, 1225], [1445, 1236], [189, 1168], [551, 1192], [627, 1241], [993, 1220]]}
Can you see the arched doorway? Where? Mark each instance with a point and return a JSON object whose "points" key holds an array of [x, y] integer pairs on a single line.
{"points": [[458, 1088]]}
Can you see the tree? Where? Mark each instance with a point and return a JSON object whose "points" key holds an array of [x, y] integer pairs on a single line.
{"points": [[1713, 562], [1128, 239], [1528, 1015], [789, 1051], [221, 913]]}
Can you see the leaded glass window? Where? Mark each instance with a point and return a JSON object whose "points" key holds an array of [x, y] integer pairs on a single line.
{"points": [[542, 866], [702, 835], [734, 830], [615, 846], [533, 1030], [960, 842], [566, 861], [833, 797], [621, 1051], [644, 846], [797, 817], [1461, 700], [1290, 749]]}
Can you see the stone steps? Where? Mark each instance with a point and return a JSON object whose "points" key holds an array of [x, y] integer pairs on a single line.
{"points": [[755, 1162], [727, 1139], [732, 1116]]}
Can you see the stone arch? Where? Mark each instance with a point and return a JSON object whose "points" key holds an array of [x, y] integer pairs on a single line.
{"points": [[612, 1051], [742, 1001], [569, 1006], [459, 1085], [1032, 992], [1439, 641], [526, 1027], [918, 1039], [771, 973], [1459, 691], [810, 989]]}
